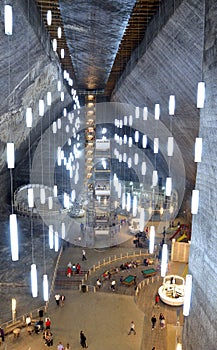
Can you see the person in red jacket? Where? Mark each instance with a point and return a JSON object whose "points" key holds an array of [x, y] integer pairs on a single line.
{"points": [[47, 323]]}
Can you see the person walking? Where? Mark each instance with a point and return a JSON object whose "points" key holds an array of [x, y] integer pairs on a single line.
{"points": [[57, 298], [83, 340], [60, 346], [162, 321], [2, 334], [157, 300], [113, 284], [153, 321], [83, 255], [132, 328]]}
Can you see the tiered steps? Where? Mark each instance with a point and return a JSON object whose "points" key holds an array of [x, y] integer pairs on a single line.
{"points": [[64, 282]]}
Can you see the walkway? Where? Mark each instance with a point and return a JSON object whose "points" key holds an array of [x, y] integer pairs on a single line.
{"points": [[104, 317]]}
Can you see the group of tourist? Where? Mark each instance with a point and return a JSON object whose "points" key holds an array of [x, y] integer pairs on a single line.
{"points": [[73, 269]]}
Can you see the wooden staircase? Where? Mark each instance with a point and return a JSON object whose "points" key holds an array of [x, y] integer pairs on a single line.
{"points": [[64, 282]]}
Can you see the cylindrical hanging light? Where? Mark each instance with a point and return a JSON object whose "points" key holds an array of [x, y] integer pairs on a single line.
{"points": [[55, 191], [56, 241], [130, 141], [8, 20], [200, 94], [49, 98], [198, 150], [142, 220], [41, 108], [14, 237], [42, 195], [54, 127], [54, 44], [164, 260], [137, 112], [157, 111], [123, 202], [59, 85], [62, 96], [170, 146], [145, 113], [30, 197], [10, 155], [172, 104], [151, 239], [156, 144], [144, 141], [62, 53], [168, 189], [63, 230], [154, 178], [136, 137], [194, 201], [34, 281], [51, 236], [28, 117], [130, 120], [135, 206], [187, 296], [49, 17], [136, 158], [50, 203], [129, 162], [45, 288], [143, 168], [128, 202], [59, 123], [59, 32]]}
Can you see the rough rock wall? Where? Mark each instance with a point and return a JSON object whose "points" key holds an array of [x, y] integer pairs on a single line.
{"points": [[170, 62], [201, 325], [29, 69]]}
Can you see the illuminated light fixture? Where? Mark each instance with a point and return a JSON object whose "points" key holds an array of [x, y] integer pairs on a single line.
{"points": [[150, 210], [59, 32], [55, 191], [50, 203], [124, 157], [14, 237], [200, 94], [130, 120], [129, 162], [142, 220], [187, 296], [164, 260], [198, 150], [170, 146], [136, 158], [13, 305], [42, 196], [143, 168], [135, 206], [157, 111], [34, 281], [59, 123], [67, 128], [128, 202], [28, 117], [156, 144], [137, 112], [125, 120], [171, 209], [145, 113], [30, 198], [54, 127], [56, 241], [130, 141], [168, 186], [49, 98], [59, 85], [69, 142], [62, 53], [63, 230], [123, 202], [151, 239], [62, 96], [45, 287], [41, 108], [8, 20], [179, 346], [172, 105], [54, 44], [194, 201], [66, 200], [49, 17], [136, 137], [73, 195], [10, 155], [125, 139], [144, 141], [51, 236], [154, 178], [64, 112], [161, 211]]}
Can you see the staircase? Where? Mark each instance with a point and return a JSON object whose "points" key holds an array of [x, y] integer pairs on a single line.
{"points": [[64, 282]]}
